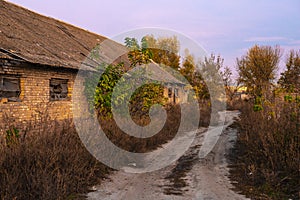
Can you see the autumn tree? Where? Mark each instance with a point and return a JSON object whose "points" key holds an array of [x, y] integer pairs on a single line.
{"points": [[290, 79], [189, 70], [188, 67], [169, 51], [164, 50], [257, 68]]}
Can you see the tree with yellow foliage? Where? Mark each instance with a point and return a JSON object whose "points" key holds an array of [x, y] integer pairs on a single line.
{"points": [[257, 69]]}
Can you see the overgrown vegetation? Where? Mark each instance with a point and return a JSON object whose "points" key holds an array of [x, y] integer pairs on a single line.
{"points": [[266, 162], [47, 165], [266, 157], [53, 164], [140, 145], [50, 162], [165, 52]]}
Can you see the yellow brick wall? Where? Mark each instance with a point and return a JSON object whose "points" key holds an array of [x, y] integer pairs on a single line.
{"points": [[35, 95]]}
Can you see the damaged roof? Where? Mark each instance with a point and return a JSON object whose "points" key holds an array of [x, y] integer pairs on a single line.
{"points": [[31, 37]]}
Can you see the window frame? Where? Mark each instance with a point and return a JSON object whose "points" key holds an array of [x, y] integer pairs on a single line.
{"points": [[4, 89], [63, 83]]}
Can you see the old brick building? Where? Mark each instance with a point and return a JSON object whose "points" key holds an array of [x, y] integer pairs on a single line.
{"points": [[175, 91], [39, 60]]}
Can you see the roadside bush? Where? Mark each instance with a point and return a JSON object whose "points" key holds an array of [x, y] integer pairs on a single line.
{"points": [[48, 166], [265, 160], [52, 163]]}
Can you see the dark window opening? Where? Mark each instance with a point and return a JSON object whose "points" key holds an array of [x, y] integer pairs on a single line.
{"points": [[58, 89], [10, 88], [170, 91]]}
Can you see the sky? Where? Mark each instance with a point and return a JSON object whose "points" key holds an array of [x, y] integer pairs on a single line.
{"points": [[225, 27]]}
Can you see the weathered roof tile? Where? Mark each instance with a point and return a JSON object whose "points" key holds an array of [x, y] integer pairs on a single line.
{"points": [[44, 40]]}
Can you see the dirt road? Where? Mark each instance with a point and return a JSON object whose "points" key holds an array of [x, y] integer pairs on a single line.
{"points": [[189, 178]]}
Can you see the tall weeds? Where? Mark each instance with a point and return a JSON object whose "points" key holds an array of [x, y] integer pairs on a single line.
{"points": [[47, 165], [48, 161], [266, 161], [168, 132]]}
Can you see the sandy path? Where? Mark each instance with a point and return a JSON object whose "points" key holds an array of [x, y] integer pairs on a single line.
{"points": [[205, 178]]}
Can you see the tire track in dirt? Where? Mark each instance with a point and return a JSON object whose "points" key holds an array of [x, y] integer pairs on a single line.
{"points": [[189, 178]]}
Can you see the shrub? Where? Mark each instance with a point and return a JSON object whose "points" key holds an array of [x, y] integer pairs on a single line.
{"points": [[12, 136], [265, 160], [48, 166], [170, 129]]}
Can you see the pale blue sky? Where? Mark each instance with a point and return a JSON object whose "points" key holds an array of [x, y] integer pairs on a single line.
{"points": [[226, 27]]}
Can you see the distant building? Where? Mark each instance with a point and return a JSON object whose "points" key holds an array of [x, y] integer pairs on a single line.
{"points": [[241, 93]]}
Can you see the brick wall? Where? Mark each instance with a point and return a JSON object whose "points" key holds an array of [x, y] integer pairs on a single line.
{"points": [[35, 105]]}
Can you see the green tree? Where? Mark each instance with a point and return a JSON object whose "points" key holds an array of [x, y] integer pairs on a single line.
{"points": [[257, 69], [132, 43], [290, 79], [138, 54]]}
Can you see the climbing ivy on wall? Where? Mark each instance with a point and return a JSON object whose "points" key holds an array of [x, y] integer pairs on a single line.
{"points": [[100, 97]]}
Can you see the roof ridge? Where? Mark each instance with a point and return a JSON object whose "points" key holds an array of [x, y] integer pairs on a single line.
{"points": [[51, 18], [45, 40]]}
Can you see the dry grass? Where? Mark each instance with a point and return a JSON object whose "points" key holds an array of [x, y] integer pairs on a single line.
{"points": [[265, 161], [48, 166], [52, 163], [46, 161], [170, 129]]}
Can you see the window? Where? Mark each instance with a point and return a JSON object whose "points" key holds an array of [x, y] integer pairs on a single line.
{"points": [[170, 91], [58, 89], [10, 88]]}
